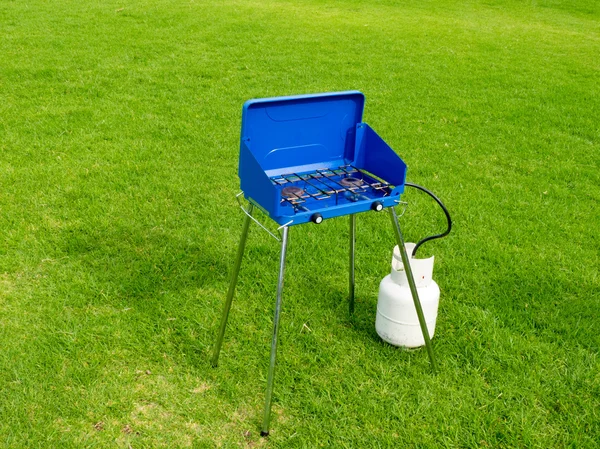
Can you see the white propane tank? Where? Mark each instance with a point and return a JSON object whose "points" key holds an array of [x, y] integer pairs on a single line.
{"points": [[397, 322]]}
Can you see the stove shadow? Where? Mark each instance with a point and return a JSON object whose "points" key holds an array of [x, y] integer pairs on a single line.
{"points": [[168, 288]]}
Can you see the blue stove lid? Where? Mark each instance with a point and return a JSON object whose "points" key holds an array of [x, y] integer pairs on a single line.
{"points": [[303, 132]]}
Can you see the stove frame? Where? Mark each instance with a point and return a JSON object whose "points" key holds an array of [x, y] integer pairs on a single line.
{"points": [[313, 142]]}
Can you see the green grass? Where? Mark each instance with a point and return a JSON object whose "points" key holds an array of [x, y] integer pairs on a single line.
{"points": [[119, 128]]}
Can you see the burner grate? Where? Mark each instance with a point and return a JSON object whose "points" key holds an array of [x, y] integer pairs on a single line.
{"points": [[328, 184]]}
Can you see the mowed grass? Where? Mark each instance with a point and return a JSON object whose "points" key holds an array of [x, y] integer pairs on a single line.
{"points": [[119, 128]]}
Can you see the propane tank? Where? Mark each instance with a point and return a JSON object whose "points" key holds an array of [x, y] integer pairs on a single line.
{"points": [[397, 322]]}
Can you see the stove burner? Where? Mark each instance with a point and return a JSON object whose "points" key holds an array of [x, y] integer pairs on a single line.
{"points": [[351, 181], [292, 192], [326, 188]]}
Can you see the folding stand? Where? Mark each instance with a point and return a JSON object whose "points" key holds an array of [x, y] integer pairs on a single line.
{"points": [[284, 241]]}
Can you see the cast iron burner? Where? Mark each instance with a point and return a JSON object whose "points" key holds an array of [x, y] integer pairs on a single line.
{"points": [[351, 181], [292, 192]]}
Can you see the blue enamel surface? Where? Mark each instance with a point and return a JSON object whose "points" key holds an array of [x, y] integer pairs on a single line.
{"points": [[301, 134]]}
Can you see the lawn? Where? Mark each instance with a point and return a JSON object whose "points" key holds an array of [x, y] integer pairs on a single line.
{"points": [[119, 135]]}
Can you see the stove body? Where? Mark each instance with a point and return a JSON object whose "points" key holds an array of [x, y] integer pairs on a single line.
{"points": [[311, 156]]}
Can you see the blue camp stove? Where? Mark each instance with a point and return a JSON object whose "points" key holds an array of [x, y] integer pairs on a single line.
{"points": [[309, 158]]}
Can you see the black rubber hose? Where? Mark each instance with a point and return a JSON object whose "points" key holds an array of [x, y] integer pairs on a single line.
{"points": [[436, 236]]}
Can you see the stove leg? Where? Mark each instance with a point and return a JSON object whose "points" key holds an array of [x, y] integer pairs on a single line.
{"points": [[267, 413], [413, 287], [352, 251], [232, 283]]}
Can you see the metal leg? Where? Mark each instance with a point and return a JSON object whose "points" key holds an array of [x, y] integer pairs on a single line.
{"points": [[233, 282], [267, 413], [352, 250], [413, 287]]}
